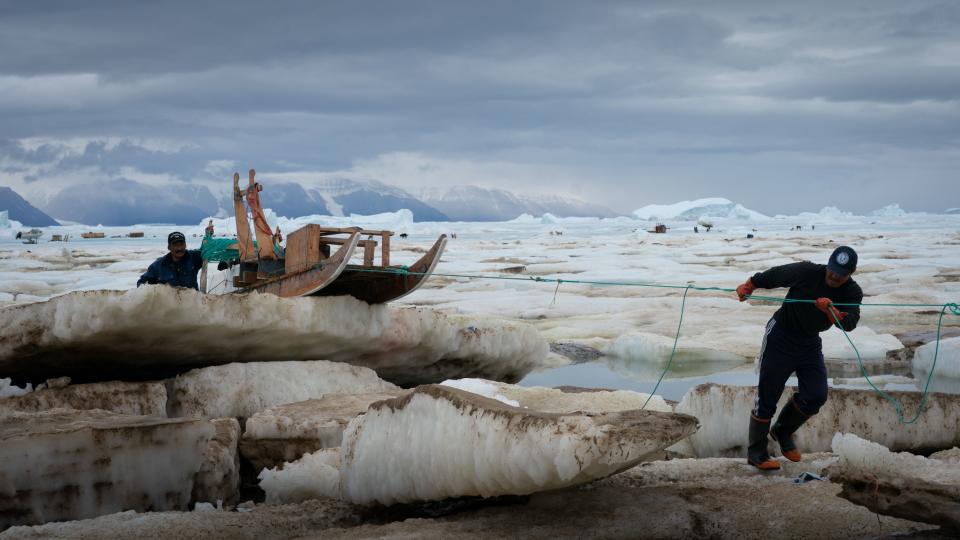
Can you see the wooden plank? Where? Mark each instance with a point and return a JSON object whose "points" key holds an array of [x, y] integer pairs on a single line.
{"points": [[368, 253], [341, 241], [351, 230], [338, 230], [303, 249], [385, 251], [310, 280]]}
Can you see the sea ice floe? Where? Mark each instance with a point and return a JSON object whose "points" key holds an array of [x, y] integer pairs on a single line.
{"points": [[869, 344], [218, 479], [724, 414], [287, 432], [68, 464], [897, 484], [948, 359], [242, 389], [260, 522], [138, 398], [159, 331], [566, 400], [439, 442]]}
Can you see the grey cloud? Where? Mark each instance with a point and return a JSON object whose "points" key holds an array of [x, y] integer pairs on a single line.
{"points": [[658, 100], [938, 20]]}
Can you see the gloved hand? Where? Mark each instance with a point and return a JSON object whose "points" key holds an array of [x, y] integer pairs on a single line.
{"points": [[745, 290], [826, 306]]}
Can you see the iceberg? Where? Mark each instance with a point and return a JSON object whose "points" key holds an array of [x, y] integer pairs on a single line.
{"points": [[716, 207], [891, 210]]}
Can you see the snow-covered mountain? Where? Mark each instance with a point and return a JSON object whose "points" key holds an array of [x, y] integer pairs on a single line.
{"points": [[372, 197], [337, 197], [715, 207], [18, 209], [473, 203], [126, 202]]}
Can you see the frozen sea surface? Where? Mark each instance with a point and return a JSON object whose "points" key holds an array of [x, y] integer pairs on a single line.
{"points": [[903, 259]]}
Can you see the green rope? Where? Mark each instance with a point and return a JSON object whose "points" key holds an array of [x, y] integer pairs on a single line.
{"points": [[897, 404], [952, 307], [405, 271], [676, 340]]}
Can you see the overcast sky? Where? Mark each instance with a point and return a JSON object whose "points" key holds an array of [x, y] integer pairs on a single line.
{"points": [[782, 106]]}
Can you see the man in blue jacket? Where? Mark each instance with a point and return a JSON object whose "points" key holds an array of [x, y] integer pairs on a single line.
{"points": [[791, 344], [178, 268]]}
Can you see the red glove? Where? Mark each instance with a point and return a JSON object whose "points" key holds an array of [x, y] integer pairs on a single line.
{"points": [[826, 306], [745, 290]]}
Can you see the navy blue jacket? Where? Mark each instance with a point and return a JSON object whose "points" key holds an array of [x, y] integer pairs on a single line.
{"points": [[183, 274], [807, 281]]}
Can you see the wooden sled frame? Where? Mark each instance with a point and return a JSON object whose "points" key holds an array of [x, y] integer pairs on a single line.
{"points": [[306, 267]]}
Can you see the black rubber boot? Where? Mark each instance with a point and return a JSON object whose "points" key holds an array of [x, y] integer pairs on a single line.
{"points": [[757, 454], [790, 419]]}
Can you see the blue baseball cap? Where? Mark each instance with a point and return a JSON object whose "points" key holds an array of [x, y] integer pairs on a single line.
{"points": [[843, 261]]}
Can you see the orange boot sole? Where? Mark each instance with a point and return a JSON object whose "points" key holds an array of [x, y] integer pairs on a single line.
{"points": [[768, 465], [793, 455]]}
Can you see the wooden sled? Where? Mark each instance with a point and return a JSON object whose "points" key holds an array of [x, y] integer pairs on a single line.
{"points": [[381, 284], [306, 279], [306, 266]]}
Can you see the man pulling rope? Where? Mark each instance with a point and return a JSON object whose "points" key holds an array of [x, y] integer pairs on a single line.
{"points": [[791, 344]]}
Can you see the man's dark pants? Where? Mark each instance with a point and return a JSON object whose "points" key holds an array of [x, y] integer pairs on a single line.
{"points": [[783, 353]]}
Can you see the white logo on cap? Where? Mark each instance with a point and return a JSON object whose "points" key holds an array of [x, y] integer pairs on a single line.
{"points": [[843, 258]]}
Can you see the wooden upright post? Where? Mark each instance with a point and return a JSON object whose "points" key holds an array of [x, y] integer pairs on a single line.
{"points": [[385, 250], [260, 226], [203, 278], [244, 241], [368, 253]]}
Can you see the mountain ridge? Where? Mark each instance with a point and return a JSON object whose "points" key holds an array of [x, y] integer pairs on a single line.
{"points": [[123, 201], [19, 209]]}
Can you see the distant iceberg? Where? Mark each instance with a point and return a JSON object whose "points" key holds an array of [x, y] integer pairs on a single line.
{"points": [[8, 227], [714, 207], [834, 212], [891, 210]]}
